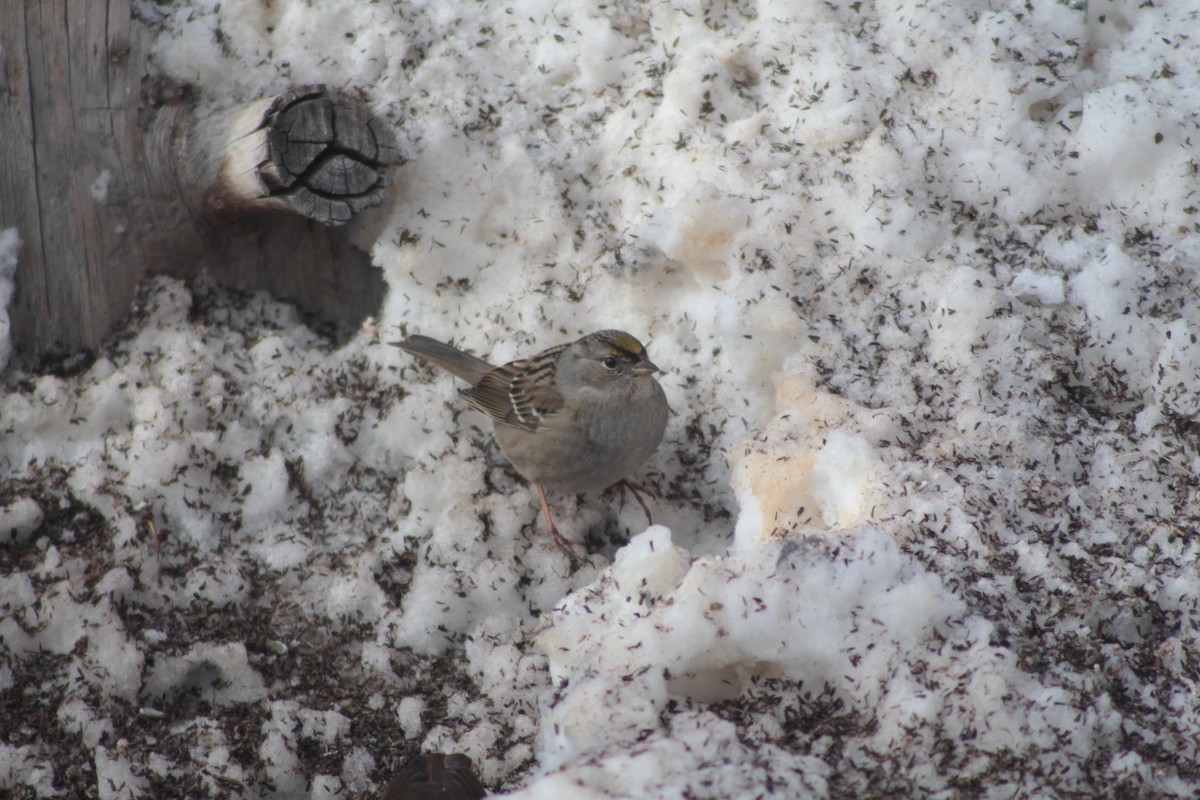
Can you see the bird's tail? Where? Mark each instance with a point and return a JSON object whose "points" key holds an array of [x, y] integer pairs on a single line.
{"points": [[451, 359]]}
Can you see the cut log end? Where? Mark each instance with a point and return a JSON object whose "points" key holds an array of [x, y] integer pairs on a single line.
{"points": [[328, 154], [317, 152]]}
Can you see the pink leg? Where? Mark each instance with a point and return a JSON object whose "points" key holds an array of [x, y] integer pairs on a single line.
{"points": [[637, 489], [563, 544]]}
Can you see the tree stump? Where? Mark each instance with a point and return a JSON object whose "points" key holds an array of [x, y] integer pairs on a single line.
{"points": [[109, 175]]}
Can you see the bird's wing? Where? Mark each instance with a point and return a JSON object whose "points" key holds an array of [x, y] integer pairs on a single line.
{"points": [[517, 393]]}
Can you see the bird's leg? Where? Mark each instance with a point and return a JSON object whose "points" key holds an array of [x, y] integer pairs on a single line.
{"points": [[563, 544], [637, 489]]}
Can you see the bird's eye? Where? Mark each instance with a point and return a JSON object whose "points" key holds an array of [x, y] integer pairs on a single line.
{"points": [[610, 363]]}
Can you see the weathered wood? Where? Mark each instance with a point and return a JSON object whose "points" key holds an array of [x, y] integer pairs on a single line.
{"points": [[108, 176], [309, 150]]}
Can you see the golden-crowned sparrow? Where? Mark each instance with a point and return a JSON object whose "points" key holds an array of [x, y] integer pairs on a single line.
{"points": [[435, 776], [578, 417]]}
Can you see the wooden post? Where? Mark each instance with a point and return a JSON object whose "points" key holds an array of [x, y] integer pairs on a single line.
{"points": [[308, 151], [108, 176]]}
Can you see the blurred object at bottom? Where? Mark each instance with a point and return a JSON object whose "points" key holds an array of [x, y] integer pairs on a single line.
{"points": [[435, 776]]}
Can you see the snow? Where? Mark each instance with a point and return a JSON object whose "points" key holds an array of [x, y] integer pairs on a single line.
{"points": [[10, 248], [922, 281], [100, 186]]}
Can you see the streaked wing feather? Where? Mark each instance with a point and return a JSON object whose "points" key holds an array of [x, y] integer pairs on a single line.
{"points": [[517, 393], [532, 400], [490, 395]]}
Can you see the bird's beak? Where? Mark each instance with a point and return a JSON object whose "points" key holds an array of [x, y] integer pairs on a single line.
{"points": [[644, 367]]}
